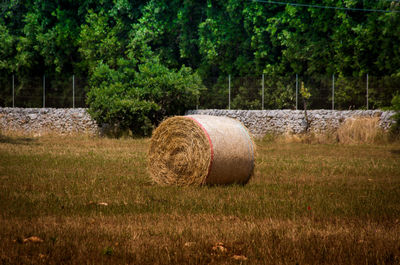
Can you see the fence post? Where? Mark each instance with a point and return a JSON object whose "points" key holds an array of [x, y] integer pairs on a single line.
{"points": [[367, 91], [13, 104], [73, 91], [229, 87], [262, 100], [197, 99], [333, 91], [44, 91], [297, 90]]}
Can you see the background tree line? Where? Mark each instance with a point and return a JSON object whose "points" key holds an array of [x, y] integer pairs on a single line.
{"points": [[143, 60]]}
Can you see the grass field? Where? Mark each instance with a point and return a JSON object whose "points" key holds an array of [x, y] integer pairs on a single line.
{"points": [[81, 200]]}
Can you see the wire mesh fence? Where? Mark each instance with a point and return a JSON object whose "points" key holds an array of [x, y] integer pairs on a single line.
{"points": [[43, 91], [284, 92], [223, 92]]}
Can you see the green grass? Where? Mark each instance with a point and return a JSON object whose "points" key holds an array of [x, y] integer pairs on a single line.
{"points": [[306, 204]]}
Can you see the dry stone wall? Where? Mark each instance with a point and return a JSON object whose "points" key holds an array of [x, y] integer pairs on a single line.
{"points": [[261, 122], [39, 121]]}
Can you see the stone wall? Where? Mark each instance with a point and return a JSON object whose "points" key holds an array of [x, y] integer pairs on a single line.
{"points": [[39, 121], [261, 122]]}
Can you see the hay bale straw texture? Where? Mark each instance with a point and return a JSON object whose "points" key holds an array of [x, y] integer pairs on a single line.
{"points": [[201, 150]]}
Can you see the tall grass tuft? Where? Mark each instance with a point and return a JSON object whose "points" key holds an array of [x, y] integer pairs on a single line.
{"points": [[360, 130]]}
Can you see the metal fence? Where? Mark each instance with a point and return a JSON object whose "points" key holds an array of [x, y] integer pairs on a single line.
{"points": [[223, 92], [43, 92], [272, 92]]}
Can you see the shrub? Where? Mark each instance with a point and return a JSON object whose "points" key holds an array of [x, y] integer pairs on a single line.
{"points": [[173, 91], [395, 128], [118, 106], [138, 100]]}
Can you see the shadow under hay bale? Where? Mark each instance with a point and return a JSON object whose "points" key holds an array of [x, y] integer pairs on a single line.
{"points": [[201, 150]]}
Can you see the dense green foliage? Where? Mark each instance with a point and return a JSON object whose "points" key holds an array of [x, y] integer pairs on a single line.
{"points": [[136, 100], [395, 129], [140, 48]]}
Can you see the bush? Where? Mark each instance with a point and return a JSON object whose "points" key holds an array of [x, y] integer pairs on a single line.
{"points": [[138, 100], [395, 128], [173, 91], [118, 106]]}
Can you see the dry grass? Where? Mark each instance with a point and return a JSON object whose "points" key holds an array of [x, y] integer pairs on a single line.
{"points": [[354, 131], [361, 130], [91, 202], [305, 138]]}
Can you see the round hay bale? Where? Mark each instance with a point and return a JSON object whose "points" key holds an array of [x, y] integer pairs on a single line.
{"points": [[199, 150]]}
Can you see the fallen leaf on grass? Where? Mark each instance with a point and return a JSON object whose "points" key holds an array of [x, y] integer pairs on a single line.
{"points": [[33, 239], [219, 247], [239, 257], [42, 256], [98, 203], [189, 244]]}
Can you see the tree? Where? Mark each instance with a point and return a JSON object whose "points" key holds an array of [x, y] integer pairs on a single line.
{"points": [[305, 94], [214, 38]]}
